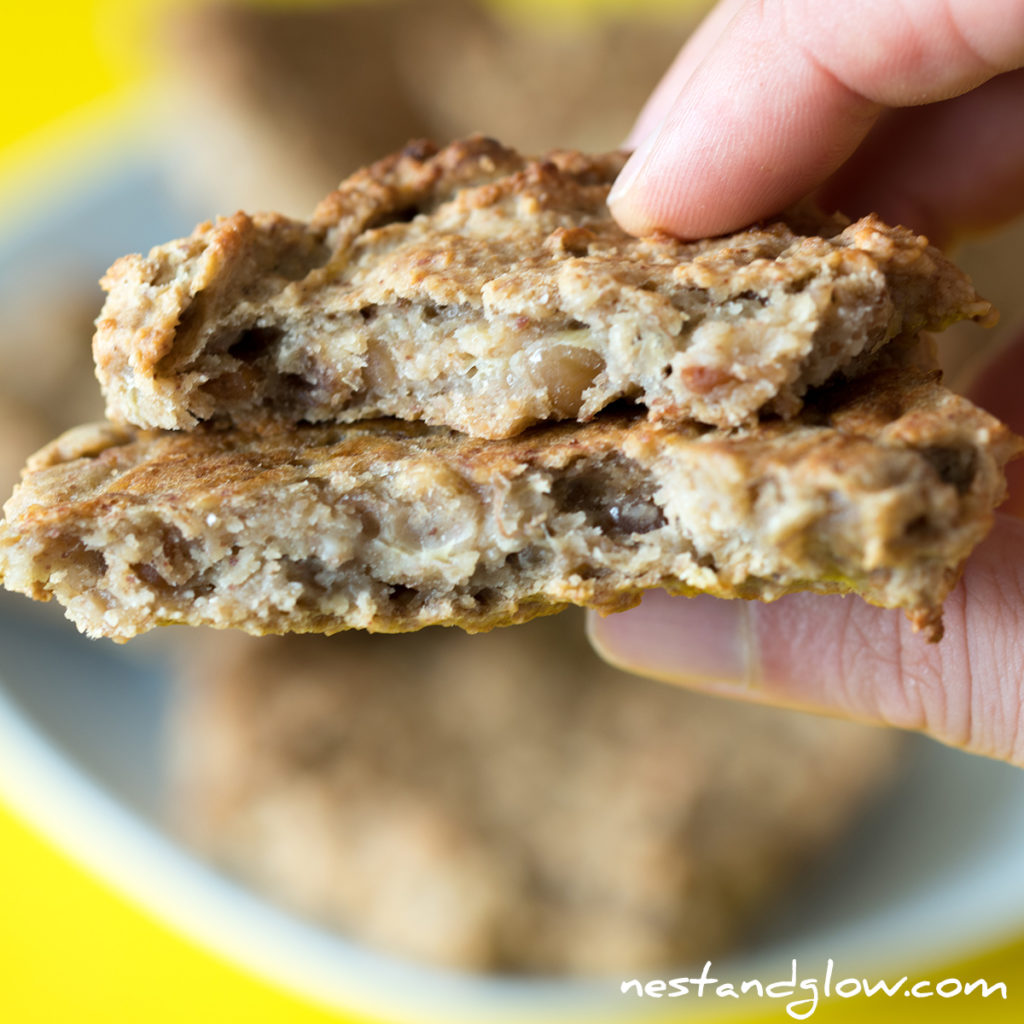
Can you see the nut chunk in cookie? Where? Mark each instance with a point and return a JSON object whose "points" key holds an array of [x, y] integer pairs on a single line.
{"points": [[473, 288], [881, 487]]}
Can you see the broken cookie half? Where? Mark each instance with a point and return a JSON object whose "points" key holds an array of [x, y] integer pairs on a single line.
{"points": [[473, 288], [879, 486]]}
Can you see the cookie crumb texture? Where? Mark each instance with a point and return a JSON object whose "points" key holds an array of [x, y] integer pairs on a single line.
{"points": [[474, 288], [882, 486]]}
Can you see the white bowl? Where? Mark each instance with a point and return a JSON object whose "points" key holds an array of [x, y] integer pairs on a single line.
{"points": [[932, 876]]}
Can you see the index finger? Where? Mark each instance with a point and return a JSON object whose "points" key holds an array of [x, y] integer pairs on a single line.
{"points": [[788, 89]]}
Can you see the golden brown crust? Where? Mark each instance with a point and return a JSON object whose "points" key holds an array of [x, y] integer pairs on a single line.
{"points": [[474, 288], [882, 486]]}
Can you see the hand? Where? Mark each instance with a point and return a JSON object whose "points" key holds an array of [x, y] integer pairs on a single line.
{"points": [[843, 656], [915, 110], [771, 100]]}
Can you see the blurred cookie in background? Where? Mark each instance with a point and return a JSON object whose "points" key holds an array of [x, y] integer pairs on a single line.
{"points": [[995, 263], [276, 104], [506, 801], [279, 103], [47, 381], [546, 84], [23, 430]]}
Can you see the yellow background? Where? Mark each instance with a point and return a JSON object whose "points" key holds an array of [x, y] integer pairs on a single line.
{"points": [[71, 949]]}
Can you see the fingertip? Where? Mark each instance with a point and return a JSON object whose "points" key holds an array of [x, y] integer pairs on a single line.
{"points": [[622, 199], [658, 190], [693, 182], [632, 217], [638, 199], [651, 197], [753, 128]]}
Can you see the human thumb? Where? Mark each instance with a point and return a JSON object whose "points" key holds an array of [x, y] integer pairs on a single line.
{"points": [[845, 657]]}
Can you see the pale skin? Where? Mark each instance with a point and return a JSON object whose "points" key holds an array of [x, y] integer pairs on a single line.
{"points": [[913, 109]]}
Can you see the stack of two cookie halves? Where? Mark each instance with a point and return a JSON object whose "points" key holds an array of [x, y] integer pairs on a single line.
{"points": [[461, 395]]}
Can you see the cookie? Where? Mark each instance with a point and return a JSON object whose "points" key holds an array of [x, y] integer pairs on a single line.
{"points": [[256, 87], [507, 802], [47, 382], [881, 486], [474, 288]]}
